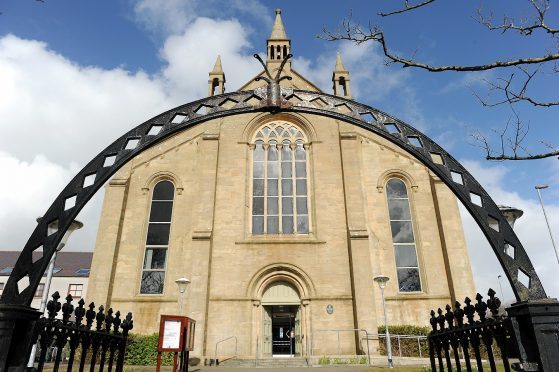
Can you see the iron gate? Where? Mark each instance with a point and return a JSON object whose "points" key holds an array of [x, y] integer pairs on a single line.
{"points": [[458, 338], [92, 339]]}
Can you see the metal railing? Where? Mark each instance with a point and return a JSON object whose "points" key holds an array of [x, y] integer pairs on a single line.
{"points": [[358, 330], [397, 339], [221, 341]]}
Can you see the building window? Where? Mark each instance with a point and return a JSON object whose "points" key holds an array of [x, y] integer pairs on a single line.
{"points": [[82, 272], [1, 287], [6, 270], [402, 236], [40, 290], [279, 181], [157, 241], [75, 290]]}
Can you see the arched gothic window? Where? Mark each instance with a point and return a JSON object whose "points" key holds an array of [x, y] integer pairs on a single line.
{"points": [[157, 241], [402, 236], [279, 180]]}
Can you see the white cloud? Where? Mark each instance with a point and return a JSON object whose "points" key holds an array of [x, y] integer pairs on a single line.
{"points": [[174, 16], [468, 80], [192, 54], [369, 77], [31, 187], [50, 105], [530, 228]]}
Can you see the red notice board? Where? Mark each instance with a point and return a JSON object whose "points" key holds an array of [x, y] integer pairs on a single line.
{"points": [[176, 333]]}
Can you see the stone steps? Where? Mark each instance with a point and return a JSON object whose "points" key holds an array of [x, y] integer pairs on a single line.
{"points": [[266, 362]]}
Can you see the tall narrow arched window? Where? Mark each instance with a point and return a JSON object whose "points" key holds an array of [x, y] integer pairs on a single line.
{"points": [[403, 238], [272, 54], [157, 240], [279, 181]]}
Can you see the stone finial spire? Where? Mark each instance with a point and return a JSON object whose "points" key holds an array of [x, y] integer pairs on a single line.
{"points": [[278, 45], [216, 80], [339, 64], [278, 31], [217, 67], [340, 79]]}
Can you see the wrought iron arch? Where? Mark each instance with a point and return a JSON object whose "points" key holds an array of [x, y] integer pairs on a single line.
{"points": [[503, 240]]}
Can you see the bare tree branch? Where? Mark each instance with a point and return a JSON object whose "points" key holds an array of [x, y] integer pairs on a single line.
{"points": [[406, 8], [353, 32], [541, 8], [511, 146], [512, 88], [511, 95], [527, 157]]}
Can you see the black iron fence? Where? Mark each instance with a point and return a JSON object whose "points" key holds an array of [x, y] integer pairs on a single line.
{"points": [[459, 338], [92, 339]]}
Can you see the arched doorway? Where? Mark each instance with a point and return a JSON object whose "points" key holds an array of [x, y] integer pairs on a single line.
{"points": [[281, 321]]}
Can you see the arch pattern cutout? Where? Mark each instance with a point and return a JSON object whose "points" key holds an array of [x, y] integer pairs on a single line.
{"points": [[27, 272]]}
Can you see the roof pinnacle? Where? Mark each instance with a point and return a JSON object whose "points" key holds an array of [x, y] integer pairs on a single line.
{"points": [[217, 67], [339, 64], [278, 31]]}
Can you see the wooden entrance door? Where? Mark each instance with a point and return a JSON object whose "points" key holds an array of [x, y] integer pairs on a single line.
{"points": [[266, 331], [298, 333]]}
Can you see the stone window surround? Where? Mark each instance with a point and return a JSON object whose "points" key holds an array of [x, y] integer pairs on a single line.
{"points": [[250, 136], [412, 185], [149, 185], [405, 243]]}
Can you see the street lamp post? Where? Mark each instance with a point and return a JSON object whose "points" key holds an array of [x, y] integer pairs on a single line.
{"points": [[51, 229], [501, 287], [538, 188], [183, 284], [381, 280]]}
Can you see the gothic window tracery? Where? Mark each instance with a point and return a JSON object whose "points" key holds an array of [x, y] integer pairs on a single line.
{"points": [[279, 180], [403, 239], [157, 240]]}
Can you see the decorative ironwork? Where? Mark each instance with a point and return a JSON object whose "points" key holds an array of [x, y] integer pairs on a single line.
{"points": [[27, 272], [274, 99], [100, 342], [456, 334]]}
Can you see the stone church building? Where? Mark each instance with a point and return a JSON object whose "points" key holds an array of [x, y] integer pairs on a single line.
{"points": [[280, 220]]}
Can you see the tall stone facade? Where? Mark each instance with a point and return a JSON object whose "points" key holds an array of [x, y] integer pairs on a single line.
{"points": [[280, 221]]}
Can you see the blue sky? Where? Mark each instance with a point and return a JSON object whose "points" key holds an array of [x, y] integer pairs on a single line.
{"points": [[75, 75]]}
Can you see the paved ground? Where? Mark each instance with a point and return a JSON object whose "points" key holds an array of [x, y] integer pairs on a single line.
{"points": [[360, 368]]}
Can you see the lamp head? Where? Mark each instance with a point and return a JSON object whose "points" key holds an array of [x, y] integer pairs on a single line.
{"points": [[381, 280], [53, 227], [511, 214], [182, 283], [539, 187]]}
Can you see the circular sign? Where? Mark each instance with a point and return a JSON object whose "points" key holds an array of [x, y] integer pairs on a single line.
{"points": [[329, 309]]}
